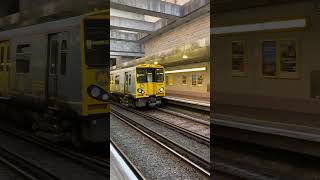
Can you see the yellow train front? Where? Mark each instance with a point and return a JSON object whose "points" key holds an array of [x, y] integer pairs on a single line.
{"points": [[54, 78], [139, 86]]}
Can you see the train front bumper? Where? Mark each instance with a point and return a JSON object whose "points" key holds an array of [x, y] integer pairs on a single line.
{"points": [[149, 101]]}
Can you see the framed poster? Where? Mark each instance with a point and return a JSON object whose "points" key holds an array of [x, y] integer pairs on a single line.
{"points": [[269, 58], [200, 80], [288, 58], [238, 58], [184, 79], [194, 80]]}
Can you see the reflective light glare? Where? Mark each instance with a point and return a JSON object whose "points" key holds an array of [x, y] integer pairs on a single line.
{"points": [[186, 70], [185, 57], [156, 63]]}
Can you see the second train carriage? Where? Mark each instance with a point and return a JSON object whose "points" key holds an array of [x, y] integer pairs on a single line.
{"points": [[56, 74], [139, 86]]}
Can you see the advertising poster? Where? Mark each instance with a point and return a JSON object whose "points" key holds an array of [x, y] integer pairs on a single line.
{"points": [[200, 80], [184, 79], [238, 58], [269, 56], [288, 56], [194, 80]]}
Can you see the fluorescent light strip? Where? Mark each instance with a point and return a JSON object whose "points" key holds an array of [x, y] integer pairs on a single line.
{"points": [[274, 25], [186, 70]]}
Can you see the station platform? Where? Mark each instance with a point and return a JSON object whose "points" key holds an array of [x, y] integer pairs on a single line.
{"points": [[287, 130], [202, 103], [119, 170]]}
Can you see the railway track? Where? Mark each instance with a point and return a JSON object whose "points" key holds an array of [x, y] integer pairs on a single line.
{"points": [[196, 125], [192, 159], [94, 163], [27, 170], [193, 135], [189, 116]]}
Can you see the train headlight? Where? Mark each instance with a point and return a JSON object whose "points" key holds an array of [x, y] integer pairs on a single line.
{"points": [[161, 90], [98, 93], [140, 91], [105, 97], [95, 92]]}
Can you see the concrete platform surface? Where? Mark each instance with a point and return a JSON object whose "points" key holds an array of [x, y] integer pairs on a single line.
{"points": [[201, 101], [119, 170]]}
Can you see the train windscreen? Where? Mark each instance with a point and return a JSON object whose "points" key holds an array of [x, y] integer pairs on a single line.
{"points": [[150, 75], [97, 46], [142, 75], [159, 75]]}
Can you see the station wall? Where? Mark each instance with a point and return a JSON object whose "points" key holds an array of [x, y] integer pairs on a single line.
{"points": [[196, 84], [287, 86], [196, 30]]}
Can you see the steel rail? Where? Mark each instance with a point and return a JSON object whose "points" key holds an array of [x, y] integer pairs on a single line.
{"points": [[99, 166], [199, 138], [27, 169]]}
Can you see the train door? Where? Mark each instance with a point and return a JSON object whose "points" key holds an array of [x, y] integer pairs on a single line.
{"points": [[126, 83], [62, 63], [4, 67], [53, 56], [58, 51], [150, 77]]}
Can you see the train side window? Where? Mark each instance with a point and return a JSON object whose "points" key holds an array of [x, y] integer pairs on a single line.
{"points": [[184, 79], [63, 59], [23, 57], [54, 56], [8, 53], [111, 82], [117, 79], [2, 55]]}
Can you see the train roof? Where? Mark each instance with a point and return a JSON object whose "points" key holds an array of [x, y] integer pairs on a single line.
{"points": [[48, 27], [139, 66], [149, 66]]}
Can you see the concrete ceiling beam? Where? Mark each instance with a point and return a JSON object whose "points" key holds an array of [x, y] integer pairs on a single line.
{"points": [[121, 23], [154, 8]]}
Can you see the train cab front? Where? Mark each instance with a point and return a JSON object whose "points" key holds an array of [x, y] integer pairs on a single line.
{"points": [[95, 78], [150, 85]]}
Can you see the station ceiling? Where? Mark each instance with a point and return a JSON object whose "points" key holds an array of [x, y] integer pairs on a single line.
{"points": [[140, 20]]}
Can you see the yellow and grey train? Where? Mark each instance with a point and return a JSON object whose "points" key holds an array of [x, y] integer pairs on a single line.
{"points": [[54, 77], [139, 86]]}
